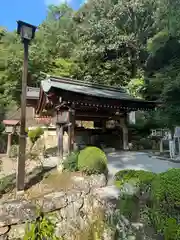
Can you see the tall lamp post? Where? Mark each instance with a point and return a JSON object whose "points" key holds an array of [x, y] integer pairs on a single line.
{"points": [[27, 33]]}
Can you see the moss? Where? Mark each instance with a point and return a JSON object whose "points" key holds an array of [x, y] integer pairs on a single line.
{"points": [[92, 160]]}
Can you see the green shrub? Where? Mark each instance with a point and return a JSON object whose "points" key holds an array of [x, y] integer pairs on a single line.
{"points": [[71, 162], [13, 153], [42, 228], [35, 134], [143, 178], [92, 160], [165, 212]]}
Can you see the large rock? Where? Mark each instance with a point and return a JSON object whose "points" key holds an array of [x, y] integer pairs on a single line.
{"points": [[16, 212], [54, 201], [97, 181]]}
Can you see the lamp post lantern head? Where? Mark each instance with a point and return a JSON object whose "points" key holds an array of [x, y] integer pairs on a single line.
{"points": [[26, 30]]}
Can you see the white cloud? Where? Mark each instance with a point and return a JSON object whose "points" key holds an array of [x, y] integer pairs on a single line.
{"points": [[56, 2]]}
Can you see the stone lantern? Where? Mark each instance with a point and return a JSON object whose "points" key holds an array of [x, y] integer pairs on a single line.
{"points": [[11, 127]]}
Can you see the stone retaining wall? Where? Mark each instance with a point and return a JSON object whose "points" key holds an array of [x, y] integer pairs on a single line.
{"points": [[72, 209]]}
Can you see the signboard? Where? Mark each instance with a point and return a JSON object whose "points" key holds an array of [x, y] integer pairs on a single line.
{"points": [[111, 124], [164, 133], [132, 117], [177, 132], [63, 117], [156, 133]]}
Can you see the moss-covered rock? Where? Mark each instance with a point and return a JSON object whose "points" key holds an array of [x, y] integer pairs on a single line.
{"points": [[92, 160], [139, 177], [135, 187]]}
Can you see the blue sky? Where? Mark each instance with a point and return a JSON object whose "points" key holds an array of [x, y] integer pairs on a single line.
{"points": [[31, 11]]}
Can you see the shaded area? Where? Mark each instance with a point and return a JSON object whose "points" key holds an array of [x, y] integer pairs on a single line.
{"points": [[36, 176], [8, 183], [51, 151]]}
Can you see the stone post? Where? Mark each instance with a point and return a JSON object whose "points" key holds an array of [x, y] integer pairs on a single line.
{"points": [[9, 143], [60, 147]]}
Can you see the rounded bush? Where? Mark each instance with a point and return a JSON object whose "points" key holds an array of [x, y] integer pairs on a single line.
{"points": [[165, 210], [92, 160]]}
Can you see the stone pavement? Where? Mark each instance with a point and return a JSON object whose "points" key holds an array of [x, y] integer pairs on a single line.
{"points": [[119, 160]]}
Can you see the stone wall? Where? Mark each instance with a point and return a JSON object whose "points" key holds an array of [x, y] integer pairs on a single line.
{"points": [[72, 209]]}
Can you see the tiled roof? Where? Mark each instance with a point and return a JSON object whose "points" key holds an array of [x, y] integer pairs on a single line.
{"points": [[11, 122], [85, 88]]}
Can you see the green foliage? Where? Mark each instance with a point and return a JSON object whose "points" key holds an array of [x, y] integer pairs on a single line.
{"points": [[112, 37], [135, 86], [142, 178], [42, 228], [63, 67], [2, 128], [157, 42], [166, 204], [92, 160], [71, 162], [35, 134]]}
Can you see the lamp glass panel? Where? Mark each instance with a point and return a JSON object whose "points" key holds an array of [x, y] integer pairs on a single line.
{"points": [[26, 32], [9, 129]]}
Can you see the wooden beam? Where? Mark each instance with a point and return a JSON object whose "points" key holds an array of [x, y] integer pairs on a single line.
{"points": [[90, 116]]}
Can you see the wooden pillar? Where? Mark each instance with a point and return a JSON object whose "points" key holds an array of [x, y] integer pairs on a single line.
{"points": [[9, 143], [71, 127], [103, 126], [60, 144], [125, 138], [123, 123], [69, 138]]}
